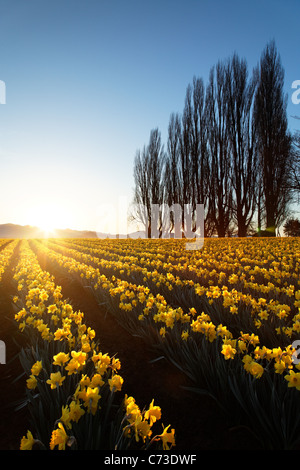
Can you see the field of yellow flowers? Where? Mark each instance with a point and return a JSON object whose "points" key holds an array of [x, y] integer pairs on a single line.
{"points": [[226, 316], [71, 383]]}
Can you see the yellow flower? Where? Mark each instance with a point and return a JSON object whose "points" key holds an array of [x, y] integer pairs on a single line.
{"points": [[65, 416], [91, 333], [162, 331], [75, 411], [153, 413], [55, 380], [31, 382], [242, 346], [263, 314], [52, 308], [73, 367], [115, 364], [132, 410], [185, 335], [61, 333], [96, 381], [54, 319], [279, 367], [85, 344], [143, 429], [115, 383], [247, 361], [36, 368], [256, 369], [85, 381], [234, 309], [79, 356], [20, 314], [59, 438], [228, 351], [43, 295], [60, 359], [296, 326], [293, 378], [90, 397], [167, 438], [27, 442], [101, 361]]}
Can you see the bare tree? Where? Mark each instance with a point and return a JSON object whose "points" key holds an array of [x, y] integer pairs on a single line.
{"points": [[244, 177], [294, 170], [171, 176], [156, 182], [148, 178], [198, 151], [185, 170], [230, 150], [273, 138], [141, 200], [220, 190]]}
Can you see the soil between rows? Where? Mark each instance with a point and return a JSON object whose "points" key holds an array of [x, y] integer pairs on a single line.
{"points": [[196, 420]]}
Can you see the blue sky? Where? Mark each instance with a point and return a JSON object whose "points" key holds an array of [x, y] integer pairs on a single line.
{"points": [[87, 80]]}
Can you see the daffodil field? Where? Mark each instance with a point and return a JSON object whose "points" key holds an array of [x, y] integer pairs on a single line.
{"points": [[227, 316], [71, 383]]}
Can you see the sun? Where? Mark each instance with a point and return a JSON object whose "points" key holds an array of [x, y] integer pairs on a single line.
{"points": [[46, 226], [46, 217]]}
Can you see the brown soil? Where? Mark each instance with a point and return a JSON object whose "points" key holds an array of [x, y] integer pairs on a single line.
{"points": [[196, 420]]}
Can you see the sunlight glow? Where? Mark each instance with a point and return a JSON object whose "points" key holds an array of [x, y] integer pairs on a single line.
{"points": [[46, 217]]}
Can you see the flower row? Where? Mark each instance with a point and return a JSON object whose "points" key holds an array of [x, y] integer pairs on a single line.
{"points": [[75, 382], [139, 301]]}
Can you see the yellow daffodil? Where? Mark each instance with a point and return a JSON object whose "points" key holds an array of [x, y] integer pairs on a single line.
{"points": [[36, 368], [256, 369], [153, 413], [31, 382], [27, 442], [59, 438], [168, 438], [75, 411], [61, 358], [293, 379], [228, 351], [56, 380], [115, 383]]}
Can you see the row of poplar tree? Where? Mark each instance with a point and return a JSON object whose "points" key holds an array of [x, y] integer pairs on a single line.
{"points": [[230, 150]]}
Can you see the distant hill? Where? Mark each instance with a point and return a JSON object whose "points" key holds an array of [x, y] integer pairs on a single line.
{"points": [[19, 231], [27, 231]]}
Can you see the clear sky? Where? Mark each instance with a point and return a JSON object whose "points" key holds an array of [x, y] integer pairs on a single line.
{"points": [[87, 80]]}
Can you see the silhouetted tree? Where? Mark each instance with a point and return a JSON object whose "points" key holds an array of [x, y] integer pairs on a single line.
{"points": [[185, 171], [220, 166], [294, 168], [229, 150], [148, 178], [198, 150], [141, 198], [240, 130], [171, 176], [273, 138], [156, 173]]}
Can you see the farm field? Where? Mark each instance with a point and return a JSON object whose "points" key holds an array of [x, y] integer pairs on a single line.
{"points": [[128, 344]]}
